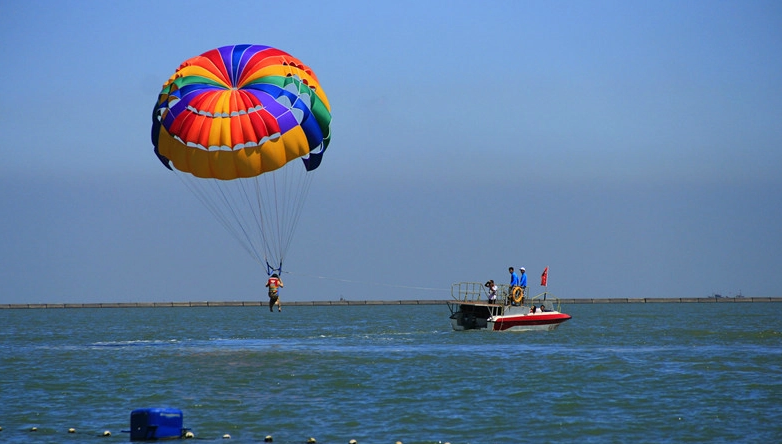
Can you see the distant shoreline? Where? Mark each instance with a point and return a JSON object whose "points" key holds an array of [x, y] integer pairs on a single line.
{"points": [[397, 302]]}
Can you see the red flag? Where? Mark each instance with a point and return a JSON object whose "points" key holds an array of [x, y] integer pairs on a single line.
{"points": [[544, 278]]}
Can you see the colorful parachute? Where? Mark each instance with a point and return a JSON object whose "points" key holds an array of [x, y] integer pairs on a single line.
{"points": [[233, 121]]}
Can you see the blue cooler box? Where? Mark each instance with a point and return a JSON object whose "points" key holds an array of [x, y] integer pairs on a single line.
{"points": [[152, 424]]}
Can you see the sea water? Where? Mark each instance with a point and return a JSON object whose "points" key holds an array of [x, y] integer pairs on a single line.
{"points": [[666, 372]]}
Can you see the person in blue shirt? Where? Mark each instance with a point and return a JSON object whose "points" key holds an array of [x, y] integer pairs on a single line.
{"points": [[514, 282], [514, 278], [523, 283]]}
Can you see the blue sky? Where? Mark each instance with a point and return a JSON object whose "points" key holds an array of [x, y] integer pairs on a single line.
{"points": [[635, 148]]}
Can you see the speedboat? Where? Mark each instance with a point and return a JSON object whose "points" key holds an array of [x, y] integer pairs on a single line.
{"points": [[469, 311]]}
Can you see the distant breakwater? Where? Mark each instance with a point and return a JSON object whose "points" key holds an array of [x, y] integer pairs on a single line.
{"points": [[370, 302]]}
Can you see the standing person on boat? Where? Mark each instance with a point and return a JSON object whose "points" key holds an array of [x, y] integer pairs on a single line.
{"points": [[523, 283], [514, 283], [492, 291], [274, 284]]}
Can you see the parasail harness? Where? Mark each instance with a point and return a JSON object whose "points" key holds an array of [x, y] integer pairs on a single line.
{"points": [[271, 270]]}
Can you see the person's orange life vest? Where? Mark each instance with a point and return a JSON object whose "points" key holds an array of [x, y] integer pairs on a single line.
{"points": [[273, 283]]}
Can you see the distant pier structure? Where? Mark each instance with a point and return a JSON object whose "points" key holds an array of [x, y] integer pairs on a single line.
{"points": [[342, 302]]}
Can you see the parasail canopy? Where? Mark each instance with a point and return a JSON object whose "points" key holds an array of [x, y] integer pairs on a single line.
{"points": [[245, 125]]}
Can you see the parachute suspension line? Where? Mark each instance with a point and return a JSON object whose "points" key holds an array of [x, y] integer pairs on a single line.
{"points": [[302, 190], [214, 197], [261, 213], [285, 190], [247, 220], [279, 216], [279, 197], [259, 216], [296, 183], [233, 194], [265, 217]]}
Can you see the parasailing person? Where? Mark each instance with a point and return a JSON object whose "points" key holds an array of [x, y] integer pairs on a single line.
{"points": [[244, 127]]}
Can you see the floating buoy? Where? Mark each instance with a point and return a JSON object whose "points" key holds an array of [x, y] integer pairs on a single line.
{"points": [[33, 429], [106, 433], [268, 438], [71, 430], [311, 441], [352, 441], [226, 436], [189, 435]]}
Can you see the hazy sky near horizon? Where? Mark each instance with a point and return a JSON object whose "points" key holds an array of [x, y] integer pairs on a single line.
{"points": [[634, 147]]}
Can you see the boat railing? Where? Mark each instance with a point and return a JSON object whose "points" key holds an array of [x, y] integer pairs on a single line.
{"points": [[477, 292], [468, 291]]}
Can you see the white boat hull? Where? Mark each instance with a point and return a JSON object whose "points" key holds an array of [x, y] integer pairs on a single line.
{"points": [[530, 322], [479, 316]]}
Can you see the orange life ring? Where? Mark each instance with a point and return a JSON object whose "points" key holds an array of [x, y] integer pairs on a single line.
{"points": [[517, 294]]}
